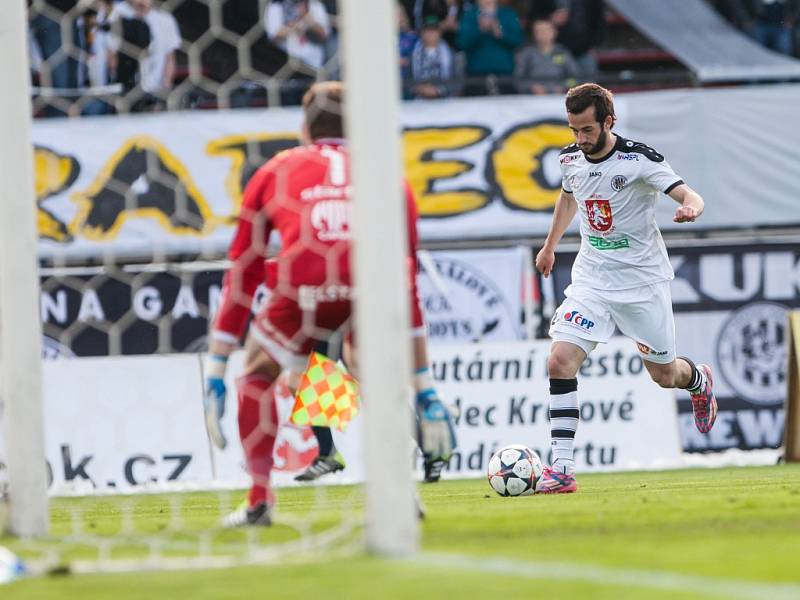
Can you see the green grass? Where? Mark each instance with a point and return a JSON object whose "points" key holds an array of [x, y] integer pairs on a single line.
{"points": [[629, 535]]}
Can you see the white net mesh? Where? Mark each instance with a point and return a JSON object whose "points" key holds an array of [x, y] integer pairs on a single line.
{"points": [[133, 245], [94, 57]]}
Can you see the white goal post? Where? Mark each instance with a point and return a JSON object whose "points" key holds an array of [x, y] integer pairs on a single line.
{"points": [[382, 309], [20, 325]]}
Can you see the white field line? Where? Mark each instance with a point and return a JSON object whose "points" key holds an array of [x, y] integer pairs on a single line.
{"points": [[663, 580]]}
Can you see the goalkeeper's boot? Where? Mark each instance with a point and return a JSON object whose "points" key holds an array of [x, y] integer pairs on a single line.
{"points": [[322, 465], [433, 469], [704, 404], [249, 516], [556, 482]]}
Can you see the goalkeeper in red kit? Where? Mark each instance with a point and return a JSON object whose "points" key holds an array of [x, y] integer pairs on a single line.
{"points": [[304, 195]]}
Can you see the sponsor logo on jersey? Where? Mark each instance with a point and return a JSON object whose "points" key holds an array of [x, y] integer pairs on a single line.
{"points": [[595, 174], [645, 349], [330, 219], [631, 156], [619, 182], [310, 296], [576, 318], [568, 158], [326, 192], [599, 214], [752, 351], [604, 244]]}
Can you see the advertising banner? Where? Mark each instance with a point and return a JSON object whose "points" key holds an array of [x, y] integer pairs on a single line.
{"points": [[120, 422], [502, 392], [171, 184], [475, 295]]}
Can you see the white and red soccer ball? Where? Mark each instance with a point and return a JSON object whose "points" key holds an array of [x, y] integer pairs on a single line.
{"points": [[514, 470]]}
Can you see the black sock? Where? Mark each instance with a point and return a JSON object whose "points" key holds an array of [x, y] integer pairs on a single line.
{"points": [[324, 440], [564, 416], [696, 380]]}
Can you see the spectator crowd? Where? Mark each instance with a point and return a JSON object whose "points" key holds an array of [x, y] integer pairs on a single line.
{"points": [[100, 56]]}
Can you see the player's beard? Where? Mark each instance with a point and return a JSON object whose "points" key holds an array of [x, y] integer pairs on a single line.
{"points": [[601, 141]]}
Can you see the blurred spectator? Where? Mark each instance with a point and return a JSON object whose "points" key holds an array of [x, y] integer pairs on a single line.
{"points": [[431, 62], [94, 29], [129, 42], [774, 24], [332, 63], [300, 27], [580, 23], [49, 21], [449, 24], [446, 11], [157, 62], [95, 32], [545, 67], [489, 34], [406, 40]]}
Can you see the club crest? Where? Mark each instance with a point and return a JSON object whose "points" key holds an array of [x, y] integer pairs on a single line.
{"points": [[599, 214]]}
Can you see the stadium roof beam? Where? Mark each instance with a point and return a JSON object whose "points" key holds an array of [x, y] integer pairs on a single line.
{"points": [[708, 45]]}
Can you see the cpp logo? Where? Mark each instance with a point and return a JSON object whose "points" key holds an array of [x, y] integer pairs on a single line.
{"points": [[578, 319]]}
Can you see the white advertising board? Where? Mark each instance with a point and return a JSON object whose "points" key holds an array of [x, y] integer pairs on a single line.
{"points": [[124, 421], [627, 421], [117, 423]]}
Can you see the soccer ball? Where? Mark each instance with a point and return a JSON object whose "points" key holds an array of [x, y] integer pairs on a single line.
{"points": [[514, 470], [11, 567]]}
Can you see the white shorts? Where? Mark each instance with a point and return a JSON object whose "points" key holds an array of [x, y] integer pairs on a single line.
{"points": [[588, 316]]}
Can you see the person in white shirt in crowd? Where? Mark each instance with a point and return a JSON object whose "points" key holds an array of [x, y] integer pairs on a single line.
{"points": [[300, 28], [157, 66]]}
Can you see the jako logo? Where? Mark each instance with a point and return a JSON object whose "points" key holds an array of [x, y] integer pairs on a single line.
{"points": [[578, 319]]}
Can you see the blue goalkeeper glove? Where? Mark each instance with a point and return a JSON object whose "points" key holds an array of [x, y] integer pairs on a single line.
{"points": [[214, 398], [435, 433]]}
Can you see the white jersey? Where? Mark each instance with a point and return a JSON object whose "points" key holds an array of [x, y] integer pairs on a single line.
{"points": [[621, 245]]}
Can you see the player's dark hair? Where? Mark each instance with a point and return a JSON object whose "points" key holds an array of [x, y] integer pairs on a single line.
{"points": [[585, 95], [322, 104]]}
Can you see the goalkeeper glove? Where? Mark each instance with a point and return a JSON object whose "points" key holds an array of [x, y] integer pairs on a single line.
{"points": [[214, 398], [435, 433]]}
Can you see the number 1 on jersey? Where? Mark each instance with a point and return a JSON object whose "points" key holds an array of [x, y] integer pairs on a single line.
{"points": [[336, 167]]}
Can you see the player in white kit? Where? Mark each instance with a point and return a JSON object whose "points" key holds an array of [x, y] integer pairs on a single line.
{"points": [[621, 274]]}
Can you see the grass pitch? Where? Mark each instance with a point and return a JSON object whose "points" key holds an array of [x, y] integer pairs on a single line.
{"points": [[725, 533]]}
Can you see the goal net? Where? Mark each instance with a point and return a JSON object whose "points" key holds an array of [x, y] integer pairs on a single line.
{"points": [[132, 246]]}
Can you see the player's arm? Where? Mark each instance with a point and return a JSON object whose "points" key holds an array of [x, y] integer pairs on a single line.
{"points": [[691, 203], [247, 254], [435, 433], [412, 216], [562, 216]]}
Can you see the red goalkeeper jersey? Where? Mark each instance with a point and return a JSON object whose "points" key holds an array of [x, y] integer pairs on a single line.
{"points": [[304, 195]]}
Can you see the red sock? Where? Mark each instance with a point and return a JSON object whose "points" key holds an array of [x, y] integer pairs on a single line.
{"points": [[258, 426]]}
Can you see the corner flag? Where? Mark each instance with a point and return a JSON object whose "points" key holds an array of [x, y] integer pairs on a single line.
{"points": [[327, 396]]}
